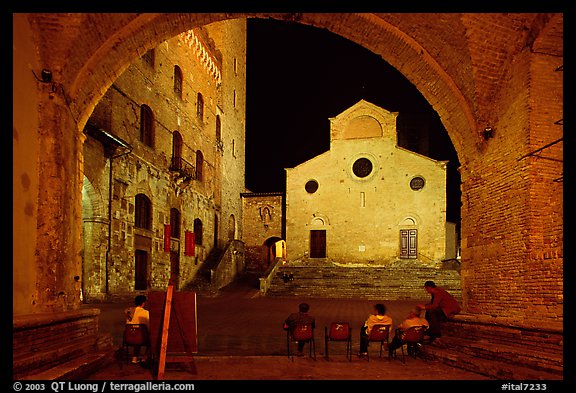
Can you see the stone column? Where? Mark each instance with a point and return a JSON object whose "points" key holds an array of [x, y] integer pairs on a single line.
{"points": [[59, 223]]}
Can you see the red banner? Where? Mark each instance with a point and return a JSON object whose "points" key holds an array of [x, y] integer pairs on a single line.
{"points": [[189, 243], [167, 233]]}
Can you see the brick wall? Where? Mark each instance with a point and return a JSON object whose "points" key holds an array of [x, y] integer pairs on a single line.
{"points": [[511, 227]]}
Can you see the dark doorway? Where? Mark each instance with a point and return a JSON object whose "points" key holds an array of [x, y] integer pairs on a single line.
{"points": [[318, 244], [174, 268], [141, 270]]}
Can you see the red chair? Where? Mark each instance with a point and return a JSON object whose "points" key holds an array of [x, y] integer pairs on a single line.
{"points": [[379, 333], [301, 332], [339, 331], [135, 336], [413, 338]]}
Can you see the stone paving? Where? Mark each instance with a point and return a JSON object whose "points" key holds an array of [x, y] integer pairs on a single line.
{"points": [[240, 338]]}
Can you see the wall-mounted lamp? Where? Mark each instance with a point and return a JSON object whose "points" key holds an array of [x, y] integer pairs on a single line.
{"points": [[487, 133], [46, 76]]}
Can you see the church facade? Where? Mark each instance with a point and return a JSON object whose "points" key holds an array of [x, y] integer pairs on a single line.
{"points": [[366, 200]]}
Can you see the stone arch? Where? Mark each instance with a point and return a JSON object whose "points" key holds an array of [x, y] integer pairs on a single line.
{"points": [[123, 45], [408, 221], [94, 242], [273, 248], [319, 220], [92, 202]]}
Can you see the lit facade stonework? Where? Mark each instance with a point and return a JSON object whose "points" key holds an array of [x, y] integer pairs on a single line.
{"points": [[263, 229], [498, 71], [184, 175], [366, 200]]}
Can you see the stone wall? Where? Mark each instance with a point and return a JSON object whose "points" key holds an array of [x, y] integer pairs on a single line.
{"points": [[263, 220], [116, 177]]}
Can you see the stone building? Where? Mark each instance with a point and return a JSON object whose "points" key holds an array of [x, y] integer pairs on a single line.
{"points": [[366, 200], [164, 164], [495, 80], [263, 229]]}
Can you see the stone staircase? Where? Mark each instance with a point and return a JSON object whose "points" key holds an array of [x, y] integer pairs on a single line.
{"points": [[56, 346], [401, 280], [500, 349]]}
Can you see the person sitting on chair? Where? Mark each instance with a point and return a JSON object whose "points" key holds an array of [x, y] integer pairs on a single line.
{"points": [[413, 319], [300, 317], [378, 317], [138, 315]]}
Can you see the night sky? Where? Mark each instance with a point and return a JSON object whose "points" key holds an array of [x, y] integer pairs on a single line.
{"points": [[299, 76]]}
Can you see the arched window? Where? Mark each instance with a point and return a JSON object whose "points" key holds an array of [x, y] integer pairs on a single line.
{"points": [[199, 165], [143, 212], [146, 125], [175, 223], [218, 128], [198, 231], [200, 106], [177, 150], [178, 79]]}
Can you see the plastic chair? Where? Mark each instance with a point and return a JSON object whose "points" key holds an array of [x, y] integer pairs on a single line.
{"points": [[135, 336], [379, 333], [301, 332], [339, 331], [413, 338]]}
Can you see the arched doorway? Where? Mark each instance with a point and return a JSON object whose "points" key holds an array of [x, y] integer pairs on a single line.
{"points": [[273, 251]]}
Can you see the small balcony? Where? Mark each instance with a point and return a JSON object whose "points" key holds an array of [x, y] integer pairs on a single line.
{"points": [[183, 167]]}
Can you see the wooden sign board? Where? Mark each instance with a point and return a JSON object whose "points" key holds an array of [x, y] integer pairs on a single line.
{"points": [[173, 327]]}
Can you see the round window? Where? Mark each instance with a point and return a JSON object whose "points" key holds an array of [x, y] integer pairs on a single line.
{"points": [[417, 183], [311, 186], [362, 167]]}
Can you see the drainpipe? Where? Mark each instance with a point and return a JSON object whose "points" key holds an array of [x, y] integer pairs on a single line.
{"points": [[119, 143]]}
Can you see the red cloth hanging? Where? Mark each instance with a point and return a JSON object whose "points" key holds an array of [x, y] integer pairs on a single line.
{"points": [[167, 233], [189, 243]]}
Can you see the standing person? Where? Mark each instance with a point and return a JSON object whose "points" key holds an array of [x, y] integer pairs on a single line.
{"points": [[138, 315], [300, 317], [442, 306], [377, 317], [413, 319]]}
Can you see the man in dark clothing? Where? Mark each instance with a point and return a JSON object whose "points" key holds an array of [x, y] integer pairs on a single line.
{"points": [[300, 317], [442, 306]]}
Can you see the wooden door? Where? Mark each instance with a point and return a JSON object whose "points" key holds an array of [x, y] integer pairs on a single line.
{"points": [[408, 243], [318, 244]]}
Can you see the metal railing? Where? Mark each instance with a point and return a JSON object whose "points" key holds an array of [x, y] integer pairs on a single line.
{"points": [[180, 165]]}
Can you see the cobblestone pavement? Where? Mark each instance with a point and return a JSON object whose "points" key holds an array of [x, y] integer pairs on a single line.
{"points": [[255, 348]]}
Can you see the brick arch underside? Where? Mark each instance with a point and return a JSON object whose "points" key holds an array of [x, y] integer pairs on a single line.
{"points": [[131, 40]]}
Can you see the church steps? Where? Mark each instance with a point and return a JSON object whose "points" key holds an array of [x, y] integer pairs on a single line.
{"points": [[400, 281]]}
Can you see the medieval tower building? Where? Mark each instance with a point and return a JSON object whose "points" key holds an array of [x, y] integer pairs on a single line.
{"points": [[164, 164]]}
